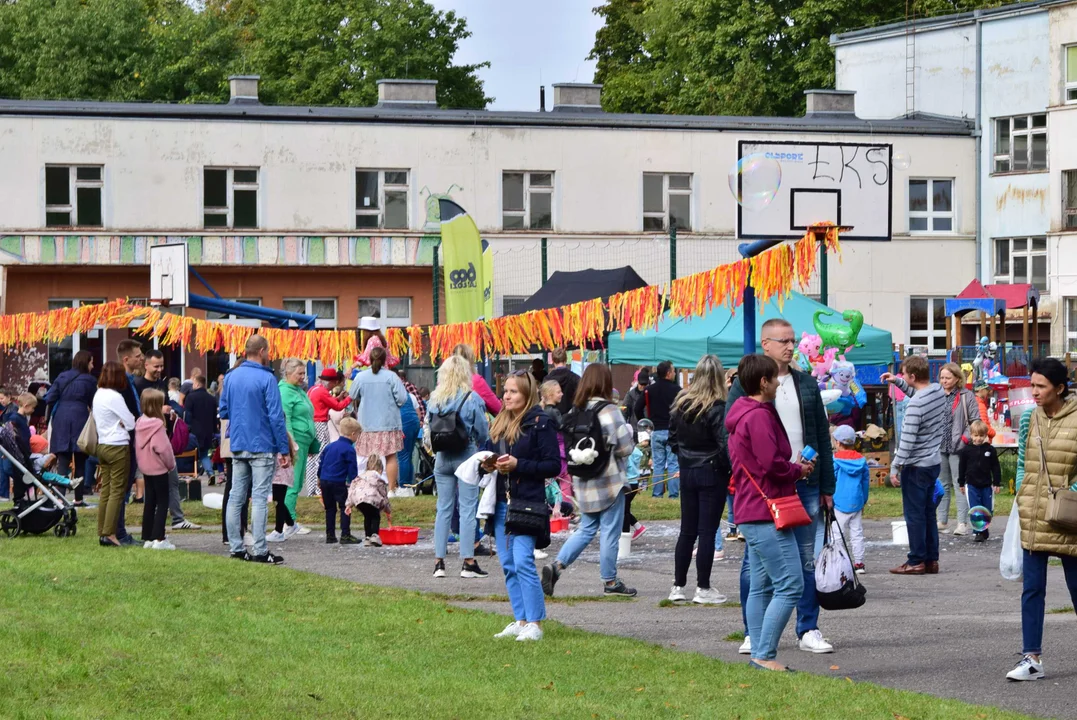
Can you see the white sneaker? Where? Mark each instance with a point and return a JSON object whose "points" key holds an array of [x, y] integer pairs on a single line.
{"points": [[531, 631], [289, 530], [405, 492], [163, 545], [301, 529], [941, 526], [813, 642], [276, 537], [962, 529], [513, 629], [541, 554], [1027, 669], [148, 544], [709, 596], [248, 539], [374, 540], [719, 555], [746, 646], [677, 594]]}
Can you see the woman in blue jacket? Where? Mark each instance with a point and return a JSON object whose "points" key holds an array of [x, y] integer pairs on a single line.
{"points": [[525, 452], [68, 402], [380, 394]]}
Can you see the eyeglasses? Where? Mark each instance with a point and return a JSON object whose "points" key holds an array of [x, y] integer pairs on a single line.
{"points": [[781, 341]]}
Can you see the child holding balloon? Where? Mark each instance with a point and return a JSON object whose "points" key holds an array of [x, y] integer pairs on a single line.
{"points": [[978, 474]]}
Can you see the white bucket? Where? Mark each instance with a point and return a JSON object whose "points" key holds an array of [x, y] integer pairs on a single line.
{"points": [[214, 501], [624, 546], [901, 533]]}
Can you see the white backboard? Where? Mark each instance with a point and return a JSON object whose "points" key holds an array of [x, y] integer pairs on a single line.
{"points": [[842, 183], [169, 272]]}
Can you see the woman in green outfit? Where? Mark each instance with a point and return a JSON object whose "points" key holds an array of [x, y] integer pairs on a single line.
{"points": [[299, 413]]}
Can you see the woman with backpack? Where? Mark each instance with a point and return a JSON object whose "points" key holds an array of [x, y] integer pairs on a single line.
{"points": [[598, 441], [455, 428], [697, 435]]}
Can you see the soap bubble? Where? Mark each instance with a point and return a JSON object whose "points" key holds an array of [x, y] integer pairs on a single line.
{"points": [[979, 518], [902, 160], [754, 180]]}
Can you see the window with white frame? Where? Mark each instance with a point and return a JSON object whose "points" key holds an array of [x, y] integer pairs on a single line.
{"points": [[381, 199], [527, 200], [234, 318], [927, 323], [324, 308], [1021, 143], [1071, 73], [393, 312], [1021, 260], [1071, 324], [62, 352], [931, 205], [1069, 199], [667, 199], [230, 197], [73, 195]]}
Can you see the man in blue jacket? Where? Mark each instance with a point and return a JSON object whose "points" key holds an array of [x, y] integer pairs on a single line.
{"points": [[250, 401]]}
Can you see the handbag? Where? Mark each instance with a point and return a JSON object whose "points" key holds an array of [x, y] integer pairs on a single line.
{"points": [[837, 586], [87, 441], [528, 517], [1061, 501], [788, 512]]}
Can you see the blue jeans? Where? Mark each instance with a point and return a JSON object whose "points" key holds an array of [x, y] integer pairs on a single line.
{"points": [[407, 455], [918, 505], [517, 554], [1035, 590], [984, 497], [449, 487], [5, 477], [607, 524], [665, 465], [253, 471], [808, 607], [777, 585], [206, 458]]}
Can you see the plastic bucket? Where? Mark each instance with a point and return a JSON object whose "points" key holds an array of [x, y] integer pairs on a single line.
{"points": [[901, 533], [624, 546], [399, 535], [214, 501], [558, 524]]}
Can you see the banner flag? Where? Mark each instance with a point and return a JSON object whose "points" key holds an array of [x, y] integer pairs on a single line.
{"points": [[461, 248]]}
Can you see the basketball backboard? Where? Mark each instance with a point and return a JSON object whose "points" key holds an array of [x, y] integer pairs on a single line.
{"points": [[842, 183], [169, 271]]}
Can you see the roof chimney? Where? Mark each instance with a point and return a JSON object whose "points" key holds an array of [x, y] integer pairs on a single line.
{"points": [[408, 93], [244, 89], [577, 97], [830, 102]]}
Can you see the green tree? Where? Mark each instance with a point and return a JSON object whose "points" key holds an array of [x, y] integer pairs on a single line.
{"points": [[732, 57]]}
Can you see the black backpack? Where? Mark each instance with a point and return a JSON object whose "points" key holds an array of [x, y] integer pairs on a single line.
{"points": [[585, 445], [448, 433]]}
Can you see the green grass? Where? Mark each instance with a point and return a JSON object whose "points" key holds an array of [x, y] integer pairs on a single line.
{"points": [[736, 636], [885, 503], [91, 632], [1067, 610]]}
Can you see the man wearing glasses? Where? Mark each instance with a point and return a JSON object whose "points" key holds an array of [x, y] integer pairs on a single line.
{"points": [[800, 407]]}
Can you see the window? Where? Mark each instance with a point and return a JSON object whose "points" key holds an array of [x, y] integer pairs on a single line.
{"points": [[1069, 200], [230, 197], [73, 196], [510, 304], [1071, 74], [1021, 143], [927, 324], [667, 199], [324, 308], [381, 199], [61, 353], [393, 312], [1021, 260], [527, 200], [1071, 324], [236, 319], [931, 205]]}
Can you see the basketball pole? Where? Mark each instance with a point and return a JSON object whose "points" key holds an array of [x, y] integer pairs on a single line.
{"points": [[824, 289]]}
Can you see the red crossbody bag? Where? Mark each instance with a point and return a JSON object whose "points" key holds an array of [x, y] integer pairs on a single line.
{"points": [[788, 511]]}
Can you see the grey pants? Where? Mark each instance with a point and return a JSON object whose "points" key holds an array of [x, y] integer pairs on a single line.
{"points": [[948, 475], [174, 507]]}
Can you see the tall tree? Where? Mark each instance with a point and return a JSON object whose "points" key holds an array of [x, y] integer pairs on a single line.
{"points": [[732, 57]]}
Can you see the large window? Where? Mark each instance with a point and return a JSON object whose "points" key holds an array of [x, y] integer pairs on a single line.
{"points": [[324, 308], [1069, 199], [381, 199], [667, 199], [1021, 143], [73, 195], [527, 200], [1071, 73], [393, 312], [931, 205], [1021, 260], [1071, 324], [230, 197], [927, 324], [61, 353]]}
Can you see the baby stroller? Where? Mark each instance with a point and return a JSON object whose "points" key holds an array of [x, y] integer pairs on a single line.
{"points": [[424, 470], [49, 510]]}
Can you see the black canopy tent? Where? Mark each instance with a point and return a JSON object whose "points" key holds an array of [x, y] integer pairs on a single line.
{"points": [[565, 288]]}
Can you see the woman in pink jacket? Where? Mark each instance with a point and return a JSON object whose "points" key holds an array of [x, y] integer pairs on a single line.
{"points": [[153, 450], [478, 383]]}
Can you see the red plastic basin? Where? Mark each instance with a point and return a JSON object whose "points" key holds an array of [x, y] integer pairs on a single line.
{"points": [[399, 535], [558, 524]]}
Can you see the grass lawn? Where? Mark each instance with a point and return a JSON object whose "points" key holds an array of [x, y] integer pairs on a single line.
{"points": [[92, 632]]}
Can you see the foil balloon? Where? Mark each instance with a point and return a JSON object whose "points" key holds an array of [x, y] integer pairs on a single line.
{"points": [[837, 335]]}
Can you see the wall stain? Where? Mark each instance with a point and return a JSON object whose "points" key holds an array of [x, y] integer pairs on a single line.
{"points": [[1021, 195], [999, 70]]}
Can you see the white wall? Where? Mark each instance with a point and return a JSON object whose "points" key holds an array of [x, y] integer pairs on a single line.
{"points": [[1062, 150]]}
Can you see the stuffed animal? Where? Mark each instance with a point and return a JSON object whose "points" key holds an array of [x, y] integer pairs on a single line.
{"points": [[822, 369], [807, 353]]}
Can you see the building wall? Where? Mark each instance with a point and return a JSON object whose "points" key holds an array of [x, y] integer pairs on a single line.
{"points": [[1062, 148]]}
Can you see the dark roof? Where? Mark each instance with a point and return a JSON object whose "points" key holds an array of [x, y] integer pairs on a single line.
{"points": [[566, 288], [921, 24], [828, 123]]}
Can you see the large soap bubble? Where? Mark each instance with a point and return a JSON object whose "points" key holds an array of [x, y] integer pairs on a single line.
{"points": [[754, 181], [902, 160], [979, 518]]}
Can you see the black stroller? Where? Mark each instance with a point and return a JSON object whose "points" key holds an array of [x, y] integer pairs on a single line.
{"points": [[48, 510]]}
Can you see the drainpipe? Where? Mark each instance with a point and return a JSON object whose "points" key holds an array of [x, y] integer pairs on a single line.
{"points": [[978, 136]]}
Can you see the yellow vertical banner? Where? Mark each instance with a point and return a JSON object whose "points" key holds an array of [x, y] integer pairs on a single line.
{"points": [[487, 281], [461, 248]]}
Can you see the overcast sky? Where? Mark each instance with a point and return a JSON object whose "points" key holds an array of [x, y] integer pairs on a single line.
{"points": [[527, 43]]}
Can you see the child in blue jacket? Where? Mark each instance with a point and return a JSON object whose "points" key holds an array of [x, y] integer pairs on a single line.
{"points": [[851, 494]]}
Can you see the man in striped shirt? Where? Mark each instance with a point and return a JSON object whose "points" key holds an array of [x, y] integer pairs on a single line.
{"points": [[916, 463]]}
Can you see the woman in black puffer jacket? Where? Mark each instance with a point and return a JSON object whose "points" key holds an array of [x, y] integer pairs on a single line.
{"points": [[697, 434]]}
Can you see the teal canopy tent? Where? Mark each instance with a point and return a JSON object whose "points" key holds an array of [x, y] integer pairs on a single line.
{"points": [[684, 341]]}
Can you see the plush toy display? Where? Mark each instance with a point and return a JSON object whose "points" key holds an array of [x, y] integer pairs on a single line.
{"points": [[823, 356]]}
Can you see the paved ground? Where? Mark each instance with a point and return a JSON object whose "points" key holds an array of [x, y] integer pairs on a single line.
{"points": [[955, 634]]}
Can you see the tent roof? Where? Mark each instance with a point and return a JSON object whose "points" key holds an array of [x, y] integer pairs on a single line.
{"points": [[1016, 296], [565, 288], [993, 299], [684, 341]]}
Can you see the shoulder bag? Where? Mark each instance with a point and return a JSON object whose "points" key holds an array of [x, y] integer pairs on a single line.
{"points": [[1061, 501], [788, 511], [87, 441], [528, 517]]}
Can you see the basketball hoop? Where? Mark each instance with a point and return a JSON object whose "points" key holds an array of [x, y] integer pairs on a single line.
{"points": [[169, 269]]}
